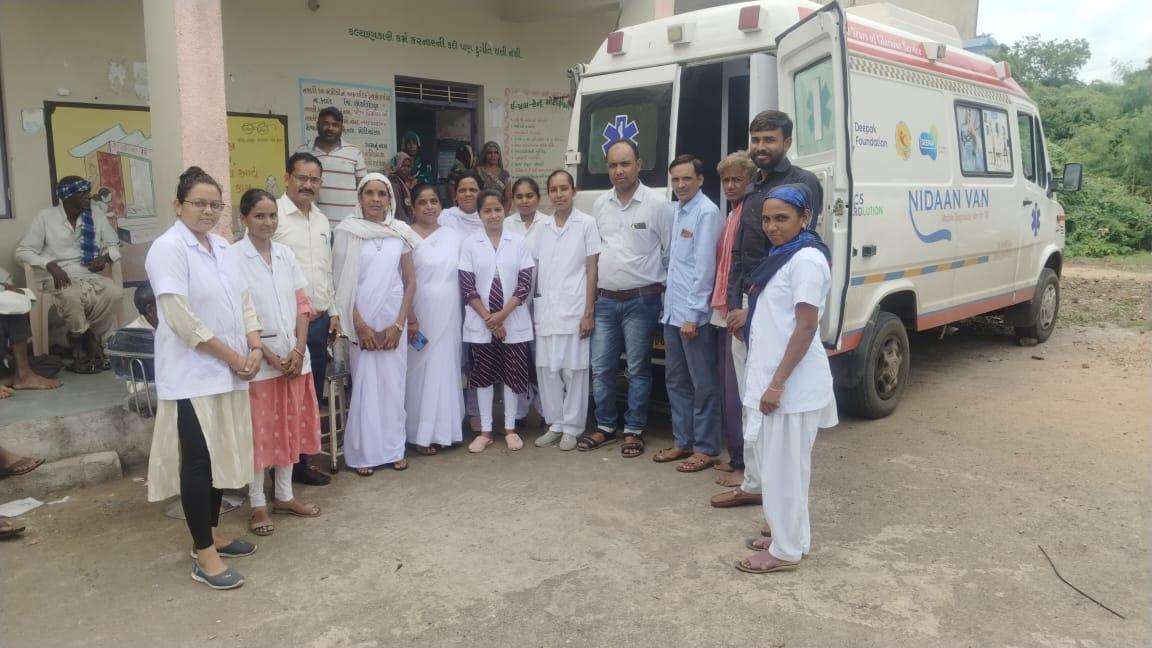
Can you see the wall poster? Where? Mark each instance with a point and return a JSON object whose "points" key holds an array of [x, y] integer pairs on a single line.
{"points": [[111, 146], [535, 132]]}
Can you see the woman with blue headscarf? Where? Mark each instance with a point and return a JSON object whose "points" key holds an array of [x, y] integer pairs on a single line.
{"points": [[788, 394]]}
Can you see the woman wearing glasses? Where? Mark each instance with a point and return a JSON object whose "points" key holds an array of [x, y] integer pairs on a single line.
{"points": [[207, 349]]}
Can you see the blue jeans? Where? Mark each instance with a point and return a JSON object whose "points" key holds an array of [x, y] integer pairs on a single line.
{"points": [[630, 324], [318, 355], [693, 381]]}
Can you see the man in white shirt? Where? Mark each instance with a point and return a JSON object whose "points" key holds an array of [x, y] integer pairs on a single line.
{"points": [[634, 223], [304, 228], [74, 246], [342, 162]]}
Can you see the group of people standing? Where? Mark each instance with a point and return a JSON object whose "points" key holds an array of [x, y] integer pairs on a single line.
{"points": [[442, 305]]}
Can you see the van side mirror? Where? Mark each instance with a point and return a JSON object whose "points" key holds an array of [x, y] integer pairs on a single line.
{"points": [[1070, 181]]}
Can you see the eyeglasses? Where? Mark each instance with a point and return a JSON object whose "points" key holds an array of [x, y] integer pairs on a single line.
{"points": [[308, 180], [204, 205]]}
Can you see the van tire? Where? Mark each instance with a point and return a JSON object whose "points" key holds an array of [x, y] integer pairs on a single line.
{"points": [[1042, 309], [882, 362]]}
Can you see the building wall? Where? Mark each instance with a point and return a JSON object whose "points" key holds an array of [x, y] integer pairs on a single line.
{"points": [[49, 46]]}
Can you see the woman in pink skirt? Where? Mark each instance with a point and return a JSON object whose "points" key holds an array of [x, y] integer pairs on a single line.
{"points": [[285, 418]]}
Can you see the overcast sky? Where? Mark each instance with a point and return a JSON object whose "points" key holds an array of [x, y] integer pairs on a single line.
{"points": [[1115, 29]]}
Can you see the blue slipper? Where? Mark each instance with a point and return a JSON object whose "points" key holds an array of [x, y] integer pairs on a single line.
{"points": [[225, 580], [235, 549]]}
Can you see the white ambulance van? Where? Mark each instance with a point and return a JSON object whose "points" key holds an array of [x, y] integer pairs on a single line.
{"points": [[938, 200]]}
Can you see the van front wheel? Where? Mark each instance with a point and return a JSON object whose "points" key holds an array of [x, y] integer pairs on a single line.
{"points": [[882, 361], [1042, 309]]}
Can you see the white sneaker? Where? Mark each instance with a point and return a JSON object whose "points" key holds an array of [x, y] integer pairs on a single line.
{"points": [[568, 442], [549, 438]]}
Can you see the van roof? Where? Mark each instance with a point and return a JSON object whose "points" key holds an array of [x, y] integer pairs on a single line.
{"points": [[715, 35]]}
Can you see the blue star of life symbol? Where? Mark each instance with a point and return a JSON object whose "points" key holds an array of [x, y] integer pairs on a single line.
{"points": [[620, 129], [1035, 220]]}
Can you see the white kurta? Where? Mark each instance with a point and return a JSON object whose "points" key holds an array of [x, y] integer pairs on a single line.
{"points": [[375, 434], [434, 402]]}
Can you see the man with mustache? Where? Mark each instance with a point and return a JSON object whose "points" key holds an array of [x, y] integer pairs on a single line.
{"points": [[342, 162], [769, 138], [304, 228]]}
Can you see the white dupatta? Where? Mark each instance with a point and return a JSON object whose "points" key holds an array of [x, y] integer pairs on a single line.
{"points": [[347, 248]]}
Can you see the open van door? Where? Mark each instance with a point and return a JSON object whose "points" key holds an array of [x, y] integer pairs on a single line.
{"points": [[812, 70], [639, 105]]}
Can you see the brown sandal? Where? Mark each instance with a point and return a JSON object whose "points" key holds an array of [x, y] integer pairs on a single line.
{"points": [[289, 508], [695, 463], [671, 454], [261, 528]]}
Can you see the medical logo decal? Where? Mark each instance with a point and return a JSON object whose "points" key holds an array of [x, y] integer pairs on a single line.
{"points": [[1035, 220], [903, 140], [928, 141], [620, 129]]}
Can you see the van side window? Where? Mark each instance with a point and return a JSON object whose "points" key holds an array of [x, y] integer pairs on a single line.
{"points": [[985, 143], [1027, 146], [815, 108]]}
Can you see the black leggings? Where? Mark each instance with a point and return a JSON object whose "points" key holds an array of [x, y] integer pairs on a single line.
{"points": [[201, 502]]}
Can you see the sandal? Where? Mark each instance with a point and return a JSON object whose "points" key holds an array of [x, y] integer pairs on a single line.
{"points": [[759, 543], [365, 472], [260, 528], [8, 531], [400, 465], [23, 466], [513, 441], [773, 564], [425, 451], [634, 448], [480, 444], [671, 454], [695, 463], [297, 508], [588, 442], [83, 366]]}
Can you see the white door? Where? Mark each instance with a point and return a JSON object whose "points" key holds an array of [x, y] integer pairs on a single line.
{"points": [[813, 86], [639, 105]]}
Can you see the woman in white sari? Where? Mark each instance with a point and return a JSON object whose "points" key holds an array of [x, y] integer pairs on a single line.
{"points": [[435, 404], [375, 285]]}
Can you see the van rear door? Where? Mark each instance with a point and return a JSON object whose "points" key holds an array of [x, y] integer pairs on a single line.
{"points": [[639, 105], [813, 85]]}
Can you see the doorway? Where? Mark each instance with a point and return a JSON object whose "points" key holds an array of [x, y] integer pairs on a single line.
{"points": [[442, 117]]}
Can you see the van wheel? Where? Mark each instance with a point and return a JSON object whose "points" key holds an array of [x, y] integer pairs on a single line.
{"points": [[882, 361], [1043, 308]]}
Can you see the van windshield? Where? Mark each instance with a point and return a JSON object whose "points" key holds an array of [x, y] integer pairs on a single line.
{"points": [[642, 115]]}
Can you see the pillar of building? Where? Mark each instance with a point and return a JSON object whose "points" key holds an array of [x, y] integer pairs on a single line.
{"points": [[184, 43]]}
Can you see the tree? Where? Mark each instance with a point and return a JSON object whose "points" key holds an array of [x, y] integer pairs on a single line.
{"points": [[1050, 63]]}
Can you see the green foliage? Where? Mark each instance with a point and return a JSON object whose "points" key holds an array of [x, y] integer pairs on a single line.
{"points": [[1105, 126], [1054, 62]]}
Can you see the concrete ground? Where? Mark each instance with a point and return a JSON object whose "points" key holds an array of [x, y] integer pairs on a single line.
{"points": [[925, 528]]}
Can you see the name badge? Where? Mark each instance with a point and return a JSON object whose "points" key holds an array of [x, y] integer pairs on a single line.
{"points": [[685, 233], [639, 225]]}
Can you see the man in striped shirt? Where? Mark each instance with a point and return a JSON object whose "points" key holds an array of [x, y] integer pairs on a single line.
{"points": [[343, 165]]}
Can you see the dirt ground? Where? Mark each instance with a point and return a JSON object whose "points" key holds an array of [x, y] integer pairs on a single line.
{"points": [[926, 528]]}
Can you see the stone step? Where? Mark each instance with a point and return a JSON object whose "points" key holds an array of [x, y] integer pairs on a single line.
{"points": [[72, 472]]}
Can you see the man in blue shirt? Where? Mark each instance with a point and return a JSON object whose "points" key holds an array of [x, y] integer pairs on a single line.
{"points": [[689, 339]]}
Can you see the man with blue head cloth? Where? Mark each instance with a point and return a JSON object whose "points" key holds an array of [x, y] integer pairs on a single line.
{"points": [[72, 244]]}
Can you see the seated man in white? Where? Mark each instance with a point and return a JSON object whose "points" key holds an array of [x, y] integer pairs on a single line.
{"points": [[73, 246]]}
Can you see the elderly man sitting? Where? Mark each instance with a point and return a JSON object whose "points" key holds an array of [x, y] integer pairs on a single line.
{"points": [[73, 247]]}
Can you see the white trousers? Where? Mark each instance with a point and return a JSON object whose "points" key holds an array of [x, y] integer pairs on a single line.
{"points": [[564, 399], [282, 478], [484, 397], [751, 465]]}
